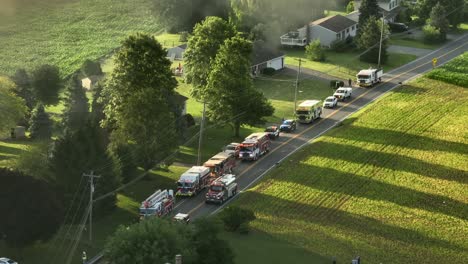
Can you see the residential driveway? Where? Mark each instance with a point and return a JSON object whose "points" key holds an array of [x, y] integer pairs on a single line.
{"points": [[408, 50]]}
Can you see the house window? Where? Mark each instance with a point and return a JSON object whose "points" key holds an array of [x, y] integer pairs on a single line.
{"points": [[338, 36], [347, 30]]}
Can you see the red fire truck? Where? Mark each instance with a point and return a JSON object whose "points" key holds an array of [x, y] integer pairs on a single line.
{"points": [[158, 204], [222, 189], [220, 164], [254, 146]]}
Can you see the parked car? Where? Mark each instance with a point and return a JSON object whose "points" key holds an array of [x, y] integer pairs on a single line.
{"points": [[330, 102], [288, 125], [183, 218], [273, 132], [7, 261], [233, 149], [397, 27]]}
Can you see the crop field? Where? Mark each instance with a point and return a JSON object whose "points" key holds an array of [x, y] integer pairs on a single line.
{"points": [[389, 184], [65, 33], [455, 72]]}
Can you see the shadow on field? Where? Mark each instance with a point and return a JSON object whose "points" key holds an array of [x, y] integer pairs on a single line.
{"points": [[9, 150], [323, 216], [409, 89], [390, 137], [337, 182], [391, 161]]}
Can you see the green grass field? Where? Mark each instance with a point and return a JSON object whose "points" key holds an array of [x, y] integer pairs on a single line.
{"points": [[455, 72], [389, 184], [65, 33], [344, 64], [411, 41]]}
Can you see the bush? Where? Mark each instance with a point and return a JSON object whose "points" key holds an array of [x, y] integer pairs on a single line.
{"points": [[350, 7], [189, 120], [268, 71], [184, 36], [432, 34], [236, 218], [315, 52], [90, 68], [339, 45]]}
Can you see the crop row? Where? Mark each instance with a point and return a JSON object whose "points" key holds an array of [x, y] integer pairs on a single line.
{"points": [[454, 72]]}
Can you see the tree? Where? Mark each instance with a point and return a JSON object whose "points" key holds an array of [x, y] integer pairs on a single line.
{"points": [[24, 87], [98, 104], [314, 51], [350, 7], [234, 217], [454, 9], [31, 209], [12, 107], [75, 112], [80, 151], [90, 68], [210, 248], [153, 240], [41, 125], [201, 50], [230, 95], [141, 105], [439, 21], [370, 38], [182, 15], [46, 84], [367, 9]]}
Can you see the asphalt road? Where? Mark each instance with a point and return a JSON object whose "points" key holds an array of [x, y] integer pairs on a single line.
{"points": [[248, 173]]}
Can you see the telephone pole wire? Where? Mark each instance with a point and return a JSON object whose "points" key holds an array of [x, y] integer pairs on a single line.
{"points": [[91, 192]]}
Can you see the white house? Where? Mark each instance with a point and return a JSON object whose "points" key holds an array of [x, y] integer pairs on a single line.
{"points": [[176, 53], [390, 8], [327, 30], [265, 57]]}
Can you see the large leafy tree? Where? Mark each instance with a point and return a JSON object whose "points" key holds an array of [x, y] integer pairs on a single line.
{"points": [[12, 107], [23, 87], [141, 106], [82, 151], [31, 210], [151, 241], [46, 84], [202, 48], [210, 248], [369, 40], [182, 15], [367, 9], [439, 20], [454, 10], [76, 108], [230, 94], [40, 123]]}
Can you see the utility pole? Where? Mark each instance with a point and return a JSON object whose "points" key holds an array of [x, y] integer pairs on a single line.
{"points": [[381, 39], [201, 134], [297, 84], [91, 192]]}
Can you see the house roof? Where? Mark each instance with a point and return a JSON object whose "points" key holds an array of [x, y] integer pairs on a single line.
{"points": [[180, 98], [261, 53], [334, 23], [183, 46]]}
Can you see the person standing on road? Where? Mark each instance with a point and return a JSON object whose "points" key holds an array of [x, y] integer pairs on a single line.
{"points": [[349, 82]]}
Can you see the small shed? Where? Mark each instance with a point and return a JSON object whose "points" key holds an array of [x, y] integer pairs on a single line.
{"points": [[90, 82], [265, 57], [181, 102], [18, 132], [176, 53]]}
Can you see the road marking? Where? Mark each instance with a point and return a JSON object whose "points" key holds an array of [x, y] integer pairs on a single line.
{"points": [[323, 119]]}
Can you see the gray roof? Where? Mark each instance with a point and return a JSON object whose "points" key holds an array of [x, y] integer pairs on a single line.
{"points": [[335, 23]]}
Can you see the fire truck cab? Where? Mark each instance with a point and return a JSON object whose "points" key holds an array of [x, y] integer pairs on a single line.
{"points": [[220, 164], [222, 189], [254, 146]]}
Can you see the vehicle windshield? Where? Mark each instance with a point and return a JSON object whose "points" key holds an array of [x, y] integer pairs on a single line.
{"points": [[329, 100], [246, 149], [299, 113], [340, 91], [182, 184], [363, 76], [216, 188]]}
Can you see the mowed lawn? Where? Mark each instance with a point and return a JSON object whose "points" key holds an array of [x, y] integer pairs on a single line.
{"points": [[389, 185], [344, 65], [65, 33]]}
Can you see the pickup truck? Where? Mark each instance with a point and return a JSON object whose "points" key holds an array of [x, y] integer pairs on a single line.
{"points": [[343, 93]]}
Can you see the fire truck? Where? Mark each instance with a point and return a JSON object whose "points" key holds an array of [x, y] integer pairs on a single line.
{"points": [[254, 146], [220, 163], [222, 189], [158, 204], [193, 180]]}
